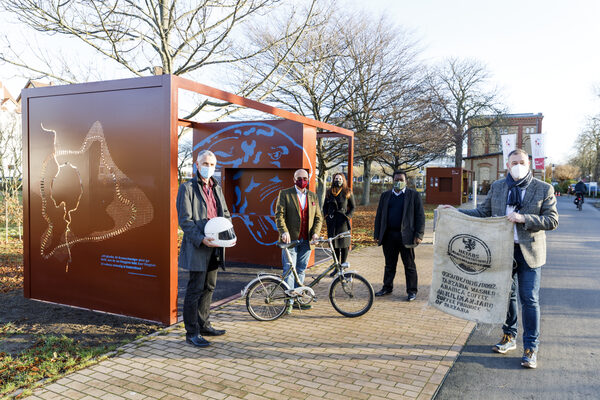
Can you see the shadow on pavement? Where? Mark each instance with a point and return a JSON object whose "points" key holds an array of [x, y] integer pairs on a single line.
{"points": [[235, 277]]}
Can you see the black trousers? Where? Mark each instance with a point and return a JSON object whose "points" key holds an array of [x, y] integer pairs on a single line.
{"points": [[196, 304], [392, 247], [341, 253]]}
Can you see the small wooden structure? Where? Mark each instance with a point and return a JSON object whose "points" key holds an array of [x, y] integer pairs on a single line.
{"points": [[446, 186]]}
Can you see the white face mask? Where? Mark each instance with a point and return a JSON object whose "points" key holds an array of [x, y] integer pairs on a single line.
{"points": [[519, 171], [207, 172]]}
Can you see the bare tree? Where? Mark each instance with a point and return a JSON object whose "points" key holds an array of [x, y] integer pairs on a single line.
{"points": [[178, 36], [460, 93], [413, 136], [309, 81], [11, 171], [588, 149], [185, 150], [382, 58], [137, 38]]}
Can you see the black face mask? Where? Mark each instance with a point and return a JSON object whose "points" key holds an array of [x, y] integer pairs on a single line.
{"points": [[337, 183]]}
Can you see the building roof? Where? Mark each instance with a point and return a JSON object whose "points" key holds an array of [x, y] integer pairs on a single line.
{"points": [[6, 97], [33, 84], [523, 115], [510, 116]]}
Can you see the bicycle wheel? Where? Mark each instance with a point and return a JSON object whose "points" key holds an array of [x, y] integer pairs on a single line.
{"points": [[351, 295], [266, 299]]}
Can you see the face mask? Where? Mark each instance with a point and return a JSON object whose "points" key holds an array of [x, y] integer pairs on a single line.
{"points": [[337, 183], [399, 185], [301, 183], [519, 171], [206, 172]]}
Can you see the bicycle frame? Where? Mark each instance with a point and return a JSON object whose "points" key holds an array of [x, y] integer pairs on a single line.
{"points": [[292, 270]]}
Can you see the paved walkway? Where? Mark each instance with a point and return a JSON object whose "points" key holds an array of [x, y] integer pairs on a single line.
{"points": [[398, 350]]}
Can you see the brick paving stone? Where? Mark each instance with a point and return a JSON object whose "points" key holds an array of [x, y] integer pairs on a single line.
{"points": [[56, 388], [110, 396], [71, 394], [398, 350], [214, 395]]}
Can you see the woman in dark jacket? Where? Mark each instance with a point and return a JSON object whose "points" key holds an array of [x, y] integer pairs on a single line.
{"points": [[337, 211]]}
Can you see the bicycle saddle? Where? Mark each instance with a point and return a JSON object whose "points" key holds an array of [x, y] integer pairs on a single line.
{"points": [[293, 243]]}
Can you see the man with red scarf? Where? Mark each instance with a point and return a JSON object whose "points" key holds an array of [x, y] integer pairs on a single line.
{"points": [[298, 217]]}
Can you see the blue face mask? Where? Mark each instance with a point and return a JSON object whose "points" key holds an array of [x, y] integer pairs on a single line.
{"points": [[206, 172]]}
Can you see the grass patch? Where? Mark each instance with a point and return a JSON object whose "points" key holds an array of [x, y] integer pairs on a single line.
{"points": [[49, 358]]}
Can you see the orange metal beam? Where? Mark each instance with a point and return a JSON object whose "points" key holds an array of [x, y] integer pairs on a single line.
{"points": [[186, 84]]}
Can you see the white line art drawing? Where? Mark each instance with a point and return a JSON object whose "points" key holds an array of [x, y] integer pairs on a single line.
{"points": [[109, 193]]}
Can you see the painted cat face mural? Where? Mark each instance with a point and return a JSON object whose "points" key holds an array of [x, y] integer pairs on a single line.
{"points": [[259, 150]]}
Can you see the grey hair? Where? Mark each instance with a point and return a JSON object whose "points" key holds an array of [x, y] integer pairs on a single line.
{"points": [[205, 153], [518, 151]]}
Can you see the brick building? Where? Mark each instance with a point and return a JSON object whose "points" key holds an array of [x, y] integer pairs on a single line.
{"points": [[484, 146]]}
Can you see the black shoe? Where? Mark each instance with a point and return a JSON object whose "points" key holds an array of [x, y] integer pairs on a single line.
{"points": [[197, 341], [383, 292], [411, 296], [210, 331], [302, 306]]}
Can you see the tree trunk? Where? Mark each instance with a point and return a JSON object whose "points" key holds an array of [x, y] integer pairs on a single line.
{"points": [[366, 196], [6, 217], [321, 187], [459, 150]]}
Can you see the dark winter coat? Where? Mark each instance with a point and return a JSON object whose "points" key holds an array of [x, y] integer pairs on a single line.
{"points": [[413, 218], [337, 211], [191, 212]]}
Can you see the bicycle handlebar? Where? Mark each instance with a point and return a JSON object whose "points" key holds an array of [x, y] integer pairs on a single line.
{"points": [[295, 243], [340, 236], [291, 244]]}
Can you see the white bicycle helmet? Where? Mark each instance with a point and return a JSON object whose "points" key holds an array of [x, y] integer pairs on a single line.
{"points": [[221, 230]]}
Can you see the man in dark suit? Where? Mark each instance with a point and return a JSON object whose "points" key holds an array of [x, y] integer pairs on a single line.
{"points": [[298, 217], [399, 227], [530, 204], [198, 200]]}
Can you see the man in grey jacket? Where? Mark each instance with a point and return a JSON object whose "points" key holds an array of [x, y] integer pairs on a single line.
{"points": [[399, 228], [198, 200], [531, 205]]}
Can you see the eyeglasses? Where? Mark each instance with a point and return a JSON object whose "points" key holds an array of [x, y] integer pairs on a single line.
{"points": [[301, 178]]}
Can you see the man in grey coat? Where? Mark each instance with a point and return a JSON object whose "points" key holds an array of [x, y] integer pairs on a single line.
{"points": [[198, 200], [399, 228], [530, 204]]}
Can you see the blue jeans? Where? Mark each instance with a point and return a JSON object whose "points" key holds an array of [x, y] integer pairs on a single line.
{"points": [[300, 255], [527, 281]]}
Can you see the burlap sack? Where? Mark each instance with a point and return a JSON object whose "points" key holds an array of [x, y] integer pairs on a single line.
{"points": [[472, 266]]}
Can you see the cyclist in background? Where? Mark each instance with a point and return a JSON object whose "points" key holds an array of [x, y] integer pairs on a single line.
{"points": [[580, 190]]}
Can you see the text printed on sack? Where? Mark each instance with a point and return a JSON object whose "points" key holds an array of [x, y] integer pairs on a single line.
{"points": [[464, 295]]}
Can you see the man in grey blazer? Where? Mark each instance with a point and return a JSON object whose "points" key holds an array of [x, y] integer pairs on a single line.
{"points": [[198, 200], [399, 228], [531, 205]]}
